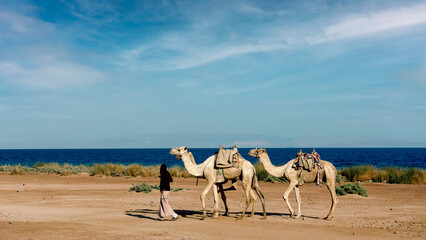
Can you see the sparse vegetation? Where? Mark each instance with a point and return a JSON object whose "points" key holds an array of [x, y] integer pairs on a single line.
{"points": [[340, 178], [263, 175], [146, 188], [179, 172], [351, 188], [107, 169], [384, 175], [349, 174], [273, 179]]}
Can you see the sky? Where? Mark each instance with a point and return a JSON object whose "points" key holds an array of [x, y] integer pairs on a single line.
{"points": [[160, 74]]}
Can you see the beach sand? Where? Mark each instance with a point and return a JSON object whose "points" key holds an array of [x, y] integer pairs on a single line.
{"points": [[48, 206]]}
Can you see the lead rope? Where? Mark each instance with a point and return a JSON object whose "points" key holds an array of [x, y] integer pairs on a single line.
{"points": [[319, 179]]}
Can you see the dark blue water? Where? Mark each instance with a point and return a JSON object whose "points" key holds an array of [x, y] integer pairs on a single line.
{"points": [[340, 157]]}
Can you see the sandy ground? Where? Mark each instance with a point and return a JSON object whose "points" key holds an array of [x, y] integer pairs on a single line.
{"points": [[45, 206]]}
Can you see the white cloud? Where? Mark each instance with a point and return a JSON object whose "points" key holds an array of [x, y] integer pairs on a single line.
{"points": [[376, 22], [49, 74], [13, 24]]}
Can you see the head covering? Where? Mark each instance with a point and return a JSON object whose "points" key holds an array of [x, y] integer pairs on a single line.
{"points": [[163, 169]]}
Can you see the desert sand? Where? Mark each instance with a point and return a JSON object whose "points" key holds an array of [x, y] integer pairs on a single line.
{"points": [[48, 206]]}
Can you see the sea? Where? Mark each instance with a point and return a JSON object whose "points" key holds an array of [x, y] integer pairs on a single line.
{"points": [[340, 157]]}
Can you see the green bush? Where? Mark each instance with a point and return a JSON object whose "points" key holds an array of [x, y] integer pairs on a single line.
{"points": [[146, 188], [351, 188], [340, 191], [273, 179], [16, 169], [263, 175], [340, 178]]}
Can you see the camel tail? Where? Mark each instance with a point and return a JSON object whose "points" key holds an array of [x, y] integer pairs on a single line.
{"points": [[256, 187]]}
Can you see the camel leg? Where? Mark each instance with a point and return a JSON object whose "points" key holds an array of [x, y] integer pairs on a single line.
{"points": [[247, 195], [254, 198], [216, 202], [286, 193], [297, 193], [332, 188], [203, 198], [222, 194]]}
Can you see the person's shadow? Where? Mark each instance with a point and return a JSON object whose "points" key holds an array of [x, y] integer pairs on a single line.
{"points": [[153, 214]]}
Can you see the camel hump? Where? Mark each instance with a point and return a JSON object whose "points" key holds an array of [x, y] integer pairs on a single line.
{"points": [[306, 161], [226, 158]]}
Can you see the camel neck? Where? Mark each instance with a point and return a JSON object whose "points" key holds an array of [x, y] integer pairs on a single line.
{"points": [[191, 166], [269, 167]]}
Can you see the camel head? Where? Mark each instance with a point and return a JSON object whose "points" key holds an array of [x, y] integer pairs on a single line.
{"points": [[178, 151], [256, 152]]}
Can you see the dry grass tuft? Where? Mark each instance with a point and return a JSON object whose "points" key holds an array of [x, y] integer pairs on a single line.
{"points": [[177, 171], [108, 169], [385, 174]]}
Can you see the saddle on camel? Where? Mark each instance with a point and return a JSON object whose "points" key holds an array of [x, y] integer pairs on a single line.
{"points": [[308, 162], [226, 158]]}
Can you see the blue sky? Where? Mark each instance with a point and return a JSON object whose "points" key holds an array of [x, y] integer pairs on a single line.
{"points": [[101, 74]]}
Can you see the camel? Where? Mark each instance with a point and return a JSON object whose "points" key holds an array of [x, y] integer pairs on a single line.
{"points": [[206, 170], [292, 175]]}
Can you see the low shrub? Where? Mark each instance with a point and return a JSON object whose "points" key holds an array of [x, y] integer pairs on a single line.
{"points": [[351, 188], [261, 173], [340, 178], [273, 179], [178, 189], [146, 188], [17, 171]]}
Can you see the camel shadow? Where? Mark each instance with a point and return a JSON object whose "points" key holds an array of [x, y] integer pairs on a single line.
{"points": [[260, 214], [153, 214]]}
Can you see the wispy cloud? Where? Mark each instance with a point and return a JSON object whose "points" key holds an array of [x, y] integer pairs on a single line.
{"points": [[373, 23], [97, 12], [14, 25], [189, 48], [48, 73]]}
